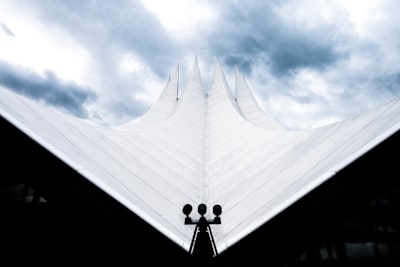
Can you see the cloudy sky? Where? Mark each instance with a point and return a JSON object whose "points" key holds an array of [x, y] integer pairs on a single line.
{"points": [[308, 62]]}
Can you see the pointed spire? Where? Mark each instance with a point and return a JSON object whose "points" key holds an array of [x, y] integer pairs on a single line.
{"points": [[249, 107], [220, 93], [196, 70], [177, 87], [193, 93], [194, 82], [175, 81], [218, 77]]}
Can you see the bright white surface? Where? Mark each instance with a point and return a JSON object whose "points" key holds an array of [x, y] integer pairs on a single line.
{"points": [[202, 149]]}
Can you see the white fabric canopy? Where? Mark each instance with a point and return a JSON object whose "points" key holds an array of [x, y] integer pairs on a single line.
{"points": [[215, 148]]}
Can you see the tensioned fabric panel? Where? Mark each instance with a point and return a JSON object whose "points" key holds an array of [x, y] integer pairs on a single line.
{"points": [[214, 148], [249, 107]]}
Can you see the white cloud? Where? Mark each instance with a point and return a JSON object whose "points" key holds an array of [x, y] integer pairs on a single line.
{"points": [[131, 63], [309, 14], [296, 115], [363, 13], [183, 18], [41, 47]]}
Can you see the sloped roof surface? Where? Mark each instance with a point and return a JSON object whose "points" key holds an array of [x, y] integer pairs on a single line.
{"points": [[215, 148]]}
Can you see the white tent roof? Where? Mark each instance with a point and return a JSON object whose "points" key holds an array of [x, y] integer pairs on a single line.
{"points": [[212, 149]]}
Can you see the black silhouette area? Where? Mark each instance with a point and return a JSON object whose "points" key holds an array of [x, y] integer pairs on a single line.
{"points": [[203, 244], [202, 247], [50, 215]]}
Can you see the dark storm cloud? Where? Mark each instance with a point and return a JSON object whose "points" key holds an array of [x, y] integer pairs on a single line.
{"points": [[6, 30], [296, 52], [246, 46], [48, 88], [256, 31]]}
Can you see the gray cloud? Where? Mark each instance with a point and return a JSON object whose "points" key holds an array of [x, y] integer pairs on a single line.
{"points": [[250, 32], [296, 52], [48, 88], [6, 30], [390, 83]]}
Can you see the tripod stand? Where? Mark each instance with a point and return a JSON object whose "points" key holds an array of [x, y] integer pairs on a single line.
{"points": [[203, 243]]}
